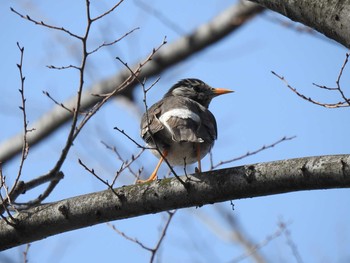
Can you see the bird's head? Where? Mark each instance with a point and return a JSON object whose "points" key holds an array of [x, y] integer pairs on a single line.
{"points": [[196, 90]]}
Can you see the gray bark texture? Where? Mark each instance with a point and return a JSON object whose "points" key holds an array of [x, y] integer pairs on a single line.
{"points": [[329, 17], [261, 179]]}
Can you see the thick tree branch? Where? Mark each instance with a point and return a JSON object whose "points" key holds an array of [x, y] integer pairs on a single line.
{"points": [[329, 17], [309, 173], [186, 46]]}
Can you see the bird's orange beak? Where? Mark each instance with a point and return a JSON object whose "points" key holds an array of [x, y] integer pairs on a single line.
{"points": [[220, 91]]}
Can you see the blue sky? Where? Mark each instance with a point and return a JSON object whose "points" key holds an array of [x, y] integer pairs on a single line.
{"points": [[260, 112]]}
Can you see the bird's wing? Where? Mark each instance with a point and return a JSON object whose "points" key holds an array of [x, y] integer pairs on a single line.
{"points": [[208, 129], [150, 123], [183, 128], [182, 119]]}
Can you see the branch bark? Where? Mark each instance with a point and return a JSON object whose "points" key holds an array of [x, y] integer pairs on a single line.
{"points": [[329, 17], [204, 36], [262, 179]]}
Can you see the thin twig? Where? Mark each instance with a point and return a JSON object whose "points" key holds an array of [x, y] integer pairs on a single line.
{"points": [[17, 185], [324, 87], [339, 77], [326, 105], [162, 235], [42, 23], [5, 202], [113, 42], [92, 171], [127, 163], [25, 253], [291, 244], [267, 240], [160, 240], [56, 102], [25, 147], [264, 147], [22, 187], [128, 237], [53, 183], [107, 12], [130, 138], [62, 67], [338, 88]]}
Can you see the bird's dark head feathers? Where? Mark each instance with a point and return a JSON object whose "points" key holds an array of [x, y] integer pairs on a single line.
{"points": [[194, 89]]}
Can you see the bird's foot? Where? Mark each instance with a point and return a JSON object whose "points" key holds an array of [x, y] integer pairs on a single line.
{"points": [[150, 179]]}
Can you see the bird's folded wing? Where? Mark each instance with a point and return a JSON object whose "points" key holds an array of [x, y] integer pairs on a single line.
{"points": [[183, 119], [208, 129], [150, 124], [183, 129]]}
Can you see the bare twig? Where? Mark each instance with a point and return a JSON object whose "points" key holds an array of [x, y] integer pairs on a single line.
{"points": [[127, 163], [267, 240], [162, 235], [25, 147], [338, 88], [56, 102], [326, 105], [110, 186], [4, 205], [323, 87], [25, 253], [26, 186], [63, 67], [130, 138], [128, 237], [17, 187], [73, 130], [42, 23], [291, 243], [264, 147], [113, 42], [107, 12], [92, 171], [339, 77], [53, 183], [233, 233], [160, 240]]}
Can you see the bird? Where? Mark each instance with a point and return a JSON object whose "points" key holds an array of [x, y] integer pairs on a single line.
{"points": [[180, 128]]}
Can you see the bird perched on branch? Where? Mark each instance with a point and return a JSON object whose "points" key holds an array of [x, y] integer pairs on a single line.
{"points": [[180, 127]]}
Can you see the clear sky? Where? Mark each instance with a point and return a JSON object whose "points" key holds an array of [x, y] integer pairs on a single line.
{"points": [[260, 112]]}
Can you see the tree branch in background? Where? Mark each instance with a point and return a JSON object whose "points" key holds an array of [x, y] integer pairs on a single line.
{"points": [[330, 18], [261, 179], [205, 35]]}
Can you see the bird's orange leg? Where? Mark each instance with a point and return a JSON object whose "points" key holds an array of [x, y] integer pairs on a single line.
{"points": [[199, 169], [154, 174]]}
